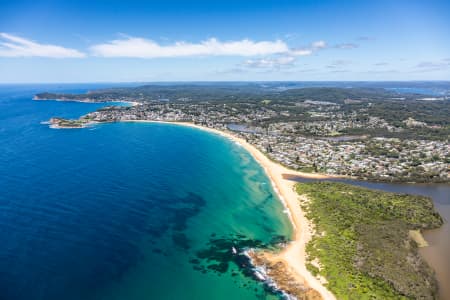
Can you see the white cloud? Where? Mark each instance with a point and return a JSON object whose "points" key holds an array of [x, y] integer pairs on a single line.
{"points": [[319, 45], [339, 63], [277, 52], [270, 62], [143, 48], [428, 66], [14, 46], [288, 58], [301, 52], [365, 38], [346, 46], [305, 51]]}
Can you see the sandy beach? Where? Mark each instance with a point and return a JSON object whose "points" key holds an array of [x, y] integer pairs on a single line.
{"points": [[294, 254]]}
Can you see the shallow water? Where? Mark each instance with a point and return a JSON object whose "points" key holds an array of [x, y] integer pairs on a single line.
{"points": [[122, 211]]}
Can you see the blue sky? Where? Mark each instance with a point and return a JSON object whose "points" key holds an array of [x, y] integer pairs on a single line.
{"points": [[117, 41]]}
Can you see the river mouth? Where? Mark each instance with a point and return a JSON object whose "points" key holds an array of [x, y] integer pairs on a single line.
{"points": [[437, 253]]}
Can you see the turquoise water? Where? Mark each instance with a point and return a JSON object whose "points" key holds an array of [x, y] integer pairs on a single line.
{"points": [[125, 210]]}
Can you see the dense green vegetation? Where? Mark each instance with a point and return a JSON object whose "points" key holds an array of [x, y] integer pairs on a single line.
{"points": [[289, 97], [60, 122], [432, 112], [244, 92], [362, 241]]}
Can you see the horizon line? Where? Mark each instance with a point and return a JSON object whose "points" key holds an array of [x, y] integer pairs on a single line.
{"points": [[222, 81]]}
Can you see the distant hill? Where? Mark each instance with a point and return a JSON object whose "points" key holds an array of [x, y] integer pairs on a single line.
{"points": [[226, 92]]}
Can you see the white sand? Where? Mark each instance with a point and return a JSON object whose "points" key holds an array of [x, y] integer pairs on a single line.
{"points": [[294, 255]]}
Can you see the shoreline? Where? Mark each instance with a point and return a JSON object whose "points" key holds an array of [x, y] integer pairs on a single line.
{"points": [[294, 254], [291, 260]]}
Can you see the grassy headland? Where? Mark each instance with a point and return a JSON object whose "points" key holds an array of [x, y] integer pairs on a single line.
{"points": [[362, 243]]}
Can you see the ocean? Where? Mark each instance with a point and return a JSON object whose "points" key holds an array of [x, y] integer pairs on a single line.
{"points": [[126, 210]]}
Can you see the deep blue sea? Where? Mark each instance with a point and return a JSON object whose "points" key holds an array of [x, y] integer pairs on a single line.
{"points": [[125, 210]]}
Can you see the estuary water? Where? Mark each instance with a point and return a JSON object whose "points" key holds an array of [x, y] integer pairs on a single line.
{"points": [[437, 254], [125, 210]]}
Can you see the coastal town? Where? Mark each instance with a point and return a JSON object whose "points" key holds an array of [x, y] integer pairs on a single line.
{"points": [[221, 150], [309, 136], [316, 134]]}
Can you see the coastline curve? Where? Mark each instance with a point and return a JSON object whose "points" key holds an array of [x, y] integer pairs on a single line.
{"points": [[294, 254]]}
